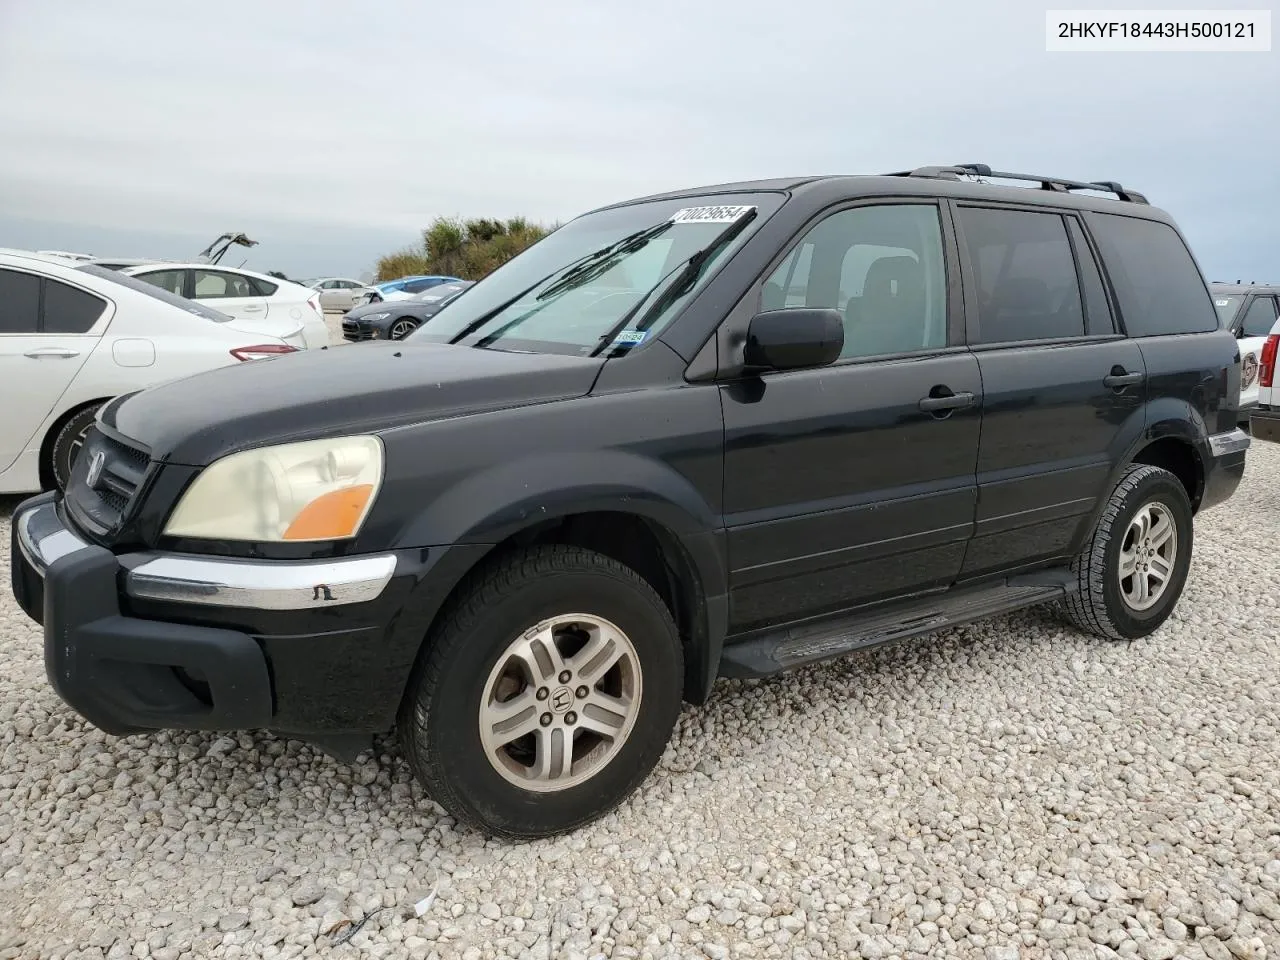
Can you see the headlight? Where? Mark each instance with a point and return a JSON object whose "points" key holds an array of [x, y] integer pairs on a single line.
{"points": [[375, 316], [314, 490]]}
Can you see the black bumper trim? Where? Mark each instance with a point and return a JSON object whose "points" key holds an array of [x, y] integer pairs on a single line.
{"points": [[1265, 425], [124, 674]]}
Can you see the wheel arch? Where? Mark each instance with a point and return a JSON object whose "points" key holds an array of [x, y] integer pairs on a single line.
{"points": [[653, 522]]}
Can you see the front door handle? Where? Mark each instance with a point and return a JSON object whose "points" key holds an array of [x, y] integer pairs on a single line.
{"points": [[60, 353], [937, 400], [1119, 378]]}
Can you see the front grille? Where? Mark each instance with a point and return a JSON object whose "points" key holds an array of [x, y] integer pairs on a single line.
{"points": [[102, 505], [355, 333]]}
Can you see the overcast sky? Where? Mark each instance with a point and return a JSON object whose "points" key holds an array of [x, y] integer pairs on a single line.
{"points": [[332, 132]]}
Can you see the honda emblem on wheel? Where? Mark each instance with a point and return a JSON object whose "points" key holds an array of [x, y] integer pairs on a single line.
{"points": [[95, 468]]}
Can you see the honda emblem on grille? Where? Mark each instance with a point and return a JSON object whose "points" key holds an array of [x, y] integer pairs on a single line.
{"points": [[95, 469]]}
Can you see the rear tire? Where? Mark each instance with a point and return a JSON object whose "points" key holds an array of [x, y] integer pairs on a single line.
{"points": [[1133, 568], [489, 670], [66, 444]]}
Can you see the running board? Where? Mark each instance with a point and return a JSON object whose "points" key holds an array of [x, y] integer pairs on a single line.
{"points": [[795, 646]]}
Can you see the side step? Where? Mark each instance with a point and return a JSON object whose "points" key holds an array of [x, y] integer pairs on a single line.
{"points": [[775, 651]]}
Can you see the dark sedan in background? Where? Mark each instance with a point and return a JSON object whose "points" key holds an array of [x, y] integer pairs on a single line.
{"points": [[396, 319]]}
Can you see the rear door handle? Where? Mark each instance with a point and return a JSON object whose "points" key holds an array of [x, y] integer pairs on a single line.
{"points": [[1119, 378], [950, 401], [52, 352]]}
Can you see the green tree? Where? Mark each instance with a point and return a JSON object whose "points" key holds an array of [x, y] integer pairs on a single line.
{"points": [[470, 249]]}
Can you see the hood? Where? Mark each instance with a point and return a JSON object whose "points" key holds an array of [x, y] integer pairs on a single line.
{"points": [[368, 309], [335, 391]]}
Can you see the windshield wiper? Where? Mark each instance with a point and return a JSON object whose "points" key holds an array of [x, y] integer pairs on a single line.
{"points": [[685, 275], [604, 260], [564, 274]]}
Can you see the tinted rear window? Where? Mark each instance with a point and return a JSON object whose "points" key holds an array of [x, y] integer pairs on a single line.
{"points": [[147, 289], [1158, 286], [68, 310]]}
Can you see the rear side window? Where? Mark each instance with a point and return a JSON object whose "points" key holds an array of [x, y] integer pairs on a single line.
{"points": [[68, 309], [1026, 272], [170, 281], [19, 302], [1158, 286], [33, 304], [1260, 318], [262, 288]]}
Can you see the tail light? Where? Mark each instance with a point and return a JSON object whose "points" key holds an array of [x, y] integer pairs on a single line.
{"points": [[262, 351], [1267, 365], [314, 301]]}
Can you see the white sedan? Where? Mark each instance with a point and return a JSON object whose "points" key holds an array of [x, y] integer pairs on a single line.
{"points": [[279, 308], [72, 336], [338, 293]]}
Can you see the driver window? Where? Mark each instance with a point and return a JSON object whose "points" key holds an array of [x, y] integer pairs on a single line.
{"points": [[881, 267]]}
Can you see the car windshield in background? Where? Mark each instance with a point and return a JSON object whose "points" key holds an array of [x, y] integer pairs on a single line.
{"points": [[141, 286], [1226, 307], [440, 292], [606, 281]]}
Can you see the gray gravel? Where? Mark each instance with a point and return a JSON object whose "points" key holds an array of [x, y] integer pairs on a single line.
{"points": [[1001, 791]]}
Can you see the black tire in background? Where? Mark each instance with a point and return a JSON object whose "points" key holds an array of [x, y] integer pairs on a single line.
{"points": [[1100, 606], [66, 444], [440, 723], [401, 328]]}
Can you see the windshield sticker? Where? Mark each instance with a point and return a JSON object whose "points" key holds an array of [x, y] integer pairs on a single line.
{"points": [[710, 214], [1222, 303], [631, 336]]}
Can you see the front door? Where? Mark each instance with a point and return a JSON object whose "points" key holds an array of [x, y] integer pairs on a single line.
{"points": [[855, 482], [1063, 390]]}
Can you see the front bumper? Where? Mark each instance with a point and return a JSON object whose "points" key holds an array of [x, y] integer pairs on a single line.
{"points": [[1264, 424], [151, 641]]}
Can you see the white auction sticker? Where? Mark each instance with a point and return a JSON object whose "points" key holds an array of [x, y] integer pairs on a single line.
{"points": [[710, 214]]}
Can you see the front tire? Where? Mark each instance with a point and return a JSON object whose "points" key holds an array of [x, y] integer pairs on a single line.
{"points": [[67, 443], [1133, 568], [401, 329], [546, 696]]}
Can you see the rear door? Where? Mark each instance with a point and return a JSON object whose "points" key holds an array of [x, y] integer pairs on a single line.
{"points": [[1062, 388], [48, 328], [854, 482], [231, 293]]}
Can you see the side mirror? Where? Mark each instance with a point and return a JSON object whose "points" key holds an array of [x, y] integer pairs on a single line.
{"points": [[794, 339]]}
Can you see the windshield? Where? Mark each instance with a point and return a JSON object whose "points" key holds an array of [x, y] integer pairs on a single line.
{"points": [[1226, 307], [572, 288], [442, 291], [158, 293]]}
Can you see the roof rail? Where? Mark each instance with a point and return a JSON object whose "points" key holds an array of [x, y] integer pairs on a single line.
{"points": [[958, 170]]}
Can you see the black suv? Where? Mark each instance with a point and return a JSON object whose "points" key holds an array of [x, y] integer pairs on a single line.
{"points": [[720, 432]]}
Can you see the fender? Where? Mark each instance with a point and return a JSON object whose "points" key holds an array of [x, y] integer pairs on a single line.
{"points": [[488, 507], [1165, 417]]}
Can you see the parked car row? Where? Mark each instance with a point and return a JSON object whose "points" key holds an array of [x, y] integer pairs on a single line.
{"points": [[74, 334], [342, 294], [396, 319]]}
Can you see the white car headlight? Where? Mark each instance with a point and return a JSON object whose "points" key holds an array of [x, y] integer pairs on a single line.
{"points": [[308, 491]]}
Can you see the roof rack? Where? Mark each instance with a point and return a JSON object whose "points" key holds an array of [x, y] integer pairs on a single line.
{"points": [[958, 170]]}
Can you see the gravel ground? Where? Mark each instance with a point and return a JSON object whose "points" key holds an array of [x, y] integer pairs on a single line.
{"points": [[999, 791]]}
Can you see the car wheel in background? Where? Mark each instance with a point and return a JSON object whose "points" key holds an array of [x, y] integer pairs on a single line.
{"points": [[402, 328], [66, 444]]}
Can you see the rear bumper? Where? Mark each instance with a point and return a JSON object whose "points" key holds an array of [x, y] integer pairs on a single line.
{"points": [[1223, 466], [164, 641], [1264, 424]]}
